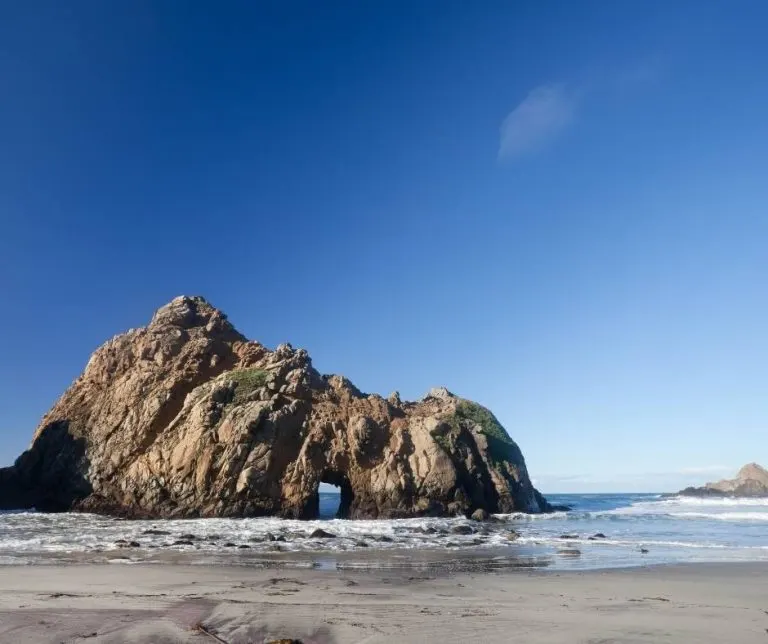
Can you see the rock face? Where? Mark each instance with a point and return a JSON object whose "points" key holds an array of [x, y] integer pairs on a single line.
{"points": [[187, 418], [751, 481]]}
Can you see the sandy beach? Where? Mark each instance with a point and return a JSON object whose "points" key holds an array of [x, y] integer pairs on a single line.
{"points": [[169, 603]]}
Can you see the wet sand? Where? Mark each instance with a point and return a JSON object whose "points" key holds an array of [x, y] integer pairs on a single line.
{"points": [[718, 603]]}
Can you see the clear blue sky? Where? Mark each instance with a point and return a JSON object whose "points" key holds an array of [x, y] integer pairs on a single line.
{"points": [[558, 209]]}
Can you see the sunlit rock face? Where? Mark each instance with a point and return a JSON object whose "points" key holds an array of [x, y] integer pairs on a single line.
{"points": [[186, 417]]}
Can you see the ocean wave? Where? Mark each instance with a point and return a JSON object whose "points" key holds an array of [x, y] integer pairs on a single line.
{"points": [[714, 501], [694, 508], [662, 509], [638, 543], [722, 516]]}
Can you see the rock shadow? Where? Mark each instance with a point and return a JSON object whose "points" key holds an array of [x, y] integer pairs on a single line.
{"points": [[50, 476]]}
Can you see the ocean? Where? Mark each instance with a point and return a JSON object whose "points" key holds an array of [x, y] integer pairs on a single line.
{"points": [[638, 529]]}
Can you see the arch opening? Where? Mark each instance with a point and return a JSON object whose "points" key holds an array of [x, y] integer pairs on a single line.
{"points": [[334, 498]]}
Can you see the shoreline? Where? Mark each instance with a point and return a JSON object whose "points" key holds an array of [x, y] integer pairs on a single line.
{"points": [[495, 560], [566, 555], [696, 602], [605, 531]]}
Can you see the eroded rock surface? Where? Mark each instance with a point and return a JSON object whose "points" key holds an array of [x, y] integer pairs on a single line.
{"points": [[187, 418]]}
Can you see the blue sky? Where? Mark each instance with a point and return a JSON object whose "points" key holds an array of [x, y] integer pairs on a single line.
{"points": [[557, 209]]}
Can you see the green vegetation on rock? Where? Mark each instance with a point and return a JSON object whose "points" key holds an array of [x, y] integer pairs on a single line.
{"points": [[478, 414], [442, 440], [246, 381], [500, 446]]}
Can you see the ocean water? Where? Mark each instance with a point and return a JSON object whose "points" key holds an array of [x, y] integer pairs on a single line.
{"points": [[639, 529]]}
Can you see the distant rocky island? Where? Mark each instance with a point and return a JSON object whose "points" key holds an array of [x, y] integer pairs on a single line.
{"points": [[188, 418], [751, 481]]}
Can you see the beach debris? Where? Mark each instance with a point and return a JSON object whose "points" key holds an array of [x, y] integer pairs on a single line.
{"points": [[157, 532], [599, 535], [58, 595], [569, 536], [644, 551], [203, 630], [182, 542], [272, 581]]}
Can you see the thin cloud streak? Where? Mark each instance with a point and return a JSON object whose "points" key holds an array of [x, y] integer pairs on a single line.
{"points": [[638, 476], [707, 469], [536, 121], [670, 480]]}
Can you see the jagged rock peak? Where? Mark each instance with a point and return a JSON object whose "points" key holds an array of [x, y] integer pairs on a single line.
{"points": [[441, 393], [187, 312], [753, 471], [186, 417]]}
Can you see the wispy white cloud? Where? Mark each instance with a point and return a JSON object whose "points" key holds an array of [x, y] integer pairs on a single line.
{"points": [[707, 469], [668, 481], [537, 120], [549, 109]]}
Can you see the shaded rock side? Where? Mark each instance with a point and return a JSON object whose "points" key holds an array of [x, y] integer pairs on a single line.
{"points": [[187, 418], [751, 481]]}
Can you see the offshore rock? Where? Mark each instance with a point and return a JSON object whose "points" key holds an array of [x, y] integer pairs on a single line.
{"points": [[751, 481], [187, 418]]}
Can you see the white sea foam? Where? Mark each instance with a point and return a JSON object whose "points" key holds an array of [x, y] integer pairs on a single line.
{"points": [[673, 529], [520, 516]]}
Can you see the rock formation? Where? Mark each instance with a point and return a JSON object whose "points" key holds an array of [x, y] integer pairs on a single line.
{"points": [[187, 418], [751, 481]]}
